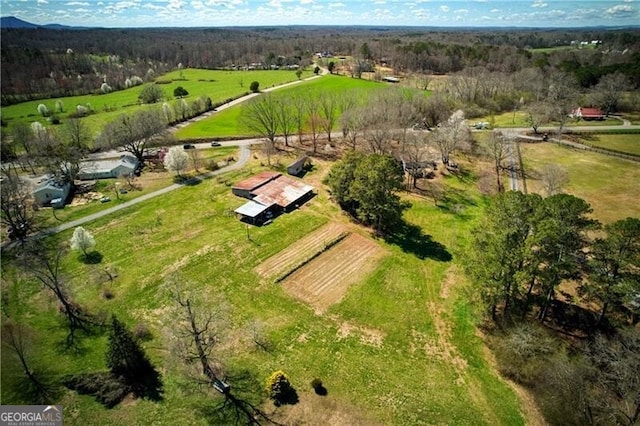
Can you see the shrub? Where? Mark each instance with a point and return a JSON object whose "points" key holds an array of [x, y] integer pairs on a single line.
{"points": [[43, 110], [254, 86], [278, 386], [180, 91], [212, 165]]}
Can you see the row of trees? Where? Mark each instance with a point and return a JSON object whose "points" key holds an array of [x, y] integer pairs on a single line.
{"points": [[527, 246]]}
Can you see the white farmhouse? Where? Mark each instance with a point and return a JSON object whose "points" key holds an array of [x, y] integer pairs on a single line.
{"points": [[104, 169]]}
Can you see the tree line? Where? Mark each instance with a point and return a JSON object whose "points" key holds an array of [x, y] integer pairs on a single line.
{"points": [[38, 63]]}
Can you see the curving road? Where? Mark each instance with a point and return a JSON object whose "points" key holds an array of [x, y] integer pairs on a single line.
{"points": [[245, 154]]}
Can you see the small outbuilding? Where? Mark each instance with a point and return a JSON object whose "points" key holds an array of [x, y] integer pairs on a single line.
{"points": [[51, 191], [126, 165], [297, 166]]}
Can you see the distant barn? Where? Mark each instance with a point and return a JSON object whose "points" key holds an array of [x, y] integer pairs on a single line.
{"points": [[270, 193], [588, 113]]}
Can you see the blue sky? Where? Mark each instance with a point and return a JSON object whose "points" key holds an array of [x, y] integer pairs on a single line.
{"points": [[189, 13]]}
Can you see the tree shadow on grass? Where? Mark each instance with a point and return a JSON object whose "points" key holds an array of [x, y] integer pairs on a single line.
{"points": [[411, 240], [110, 389], [92, 258]]}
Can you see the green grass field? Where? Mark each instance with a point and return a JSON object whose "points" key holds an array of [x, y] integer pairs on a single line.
{"points": [[218, 85], [623, 143], [519, 119], [611, 185], [429, 368], [226, 124]]}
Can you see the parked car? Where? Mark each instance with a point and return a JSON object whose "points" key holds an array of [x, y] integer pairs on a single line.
{"points": [[214, 143], [188, 146]]}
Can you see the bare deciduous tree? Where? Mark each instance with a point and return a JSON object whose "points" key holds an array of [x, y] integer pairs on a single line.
{"points": [[554, 178], [134, 133], [497, 148], [452, 134], [43, 263], [16, 204], [260, 115]]}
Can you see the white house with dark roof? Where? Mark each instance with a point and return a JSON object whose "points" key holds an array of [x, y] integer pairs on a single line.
{"points": [[105, 169]]}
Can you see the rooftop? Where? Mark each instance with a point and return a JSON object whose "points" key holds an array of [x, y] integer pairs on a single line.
{"points": [[256, 181]]}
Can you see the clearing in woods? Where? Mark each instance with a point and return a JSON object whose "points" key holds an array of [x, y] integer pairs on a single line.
{"points": [[326, 279], [301, 251]]}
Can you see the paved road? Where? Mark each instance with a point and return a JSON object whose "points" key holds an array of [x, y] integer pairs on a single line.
{"points": [[245, 154]]}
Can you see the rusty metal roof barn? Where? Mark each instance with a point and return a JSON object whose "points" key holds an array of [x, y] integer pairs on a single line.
{"points": [[270, 192]]}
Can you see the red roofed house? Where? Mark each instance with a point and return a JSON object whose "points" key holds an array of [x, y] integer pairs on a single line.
{"points": [[269, 193], [588, 113]]}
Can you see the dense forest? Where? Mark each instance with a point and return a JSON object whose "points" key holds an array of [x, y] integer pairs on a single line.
{"points": [[51, 62]]}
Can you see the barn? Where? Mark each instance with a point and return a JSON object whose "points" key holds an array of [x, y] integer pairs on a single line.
{"points": [[588, 113], [269, 194]]}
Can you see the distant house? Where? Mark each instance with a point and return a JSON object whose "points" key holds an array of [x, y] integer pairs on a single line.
{"points": [[51, 191], [270, 193], [390, 79], [297, 166], [588, 113], [126, 165]]}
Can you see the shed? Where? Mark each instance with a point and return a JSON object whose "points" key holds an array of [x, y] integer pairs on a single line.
{"points": [[297, 166], [390, 79], [253, 212], [126, 165], [49, 189]]}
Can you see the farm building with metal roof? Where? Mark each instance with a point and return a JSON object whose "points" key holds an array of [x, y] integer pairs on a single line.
{"points": [[270, 193]]}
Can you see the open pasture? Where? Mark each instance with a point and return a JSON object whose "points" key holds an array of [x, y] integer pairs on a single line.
{"points": [[389, 350], [611, 185], [219, 85], [326, 279], [226, 124], [629, 143]]}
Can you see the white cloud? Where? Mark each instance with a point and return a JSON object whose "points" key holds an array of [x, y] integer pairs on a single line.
{"points": [[444, 8], [539, 3], [306, 1], [495, 10], [336, 4], [76, 3], [43, 1], [461, 11], [620, 11]]}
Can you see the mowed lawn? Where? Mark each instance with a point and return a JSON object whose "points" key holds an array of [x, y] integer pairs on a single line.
{"points": [[227, 123], [623, 143], [611, 185], [427, 366], [219, 85]]}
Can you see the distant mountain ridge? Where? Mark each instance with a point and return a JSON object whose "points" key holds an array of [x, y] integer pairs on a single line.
{"points": [[14, 22]]}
